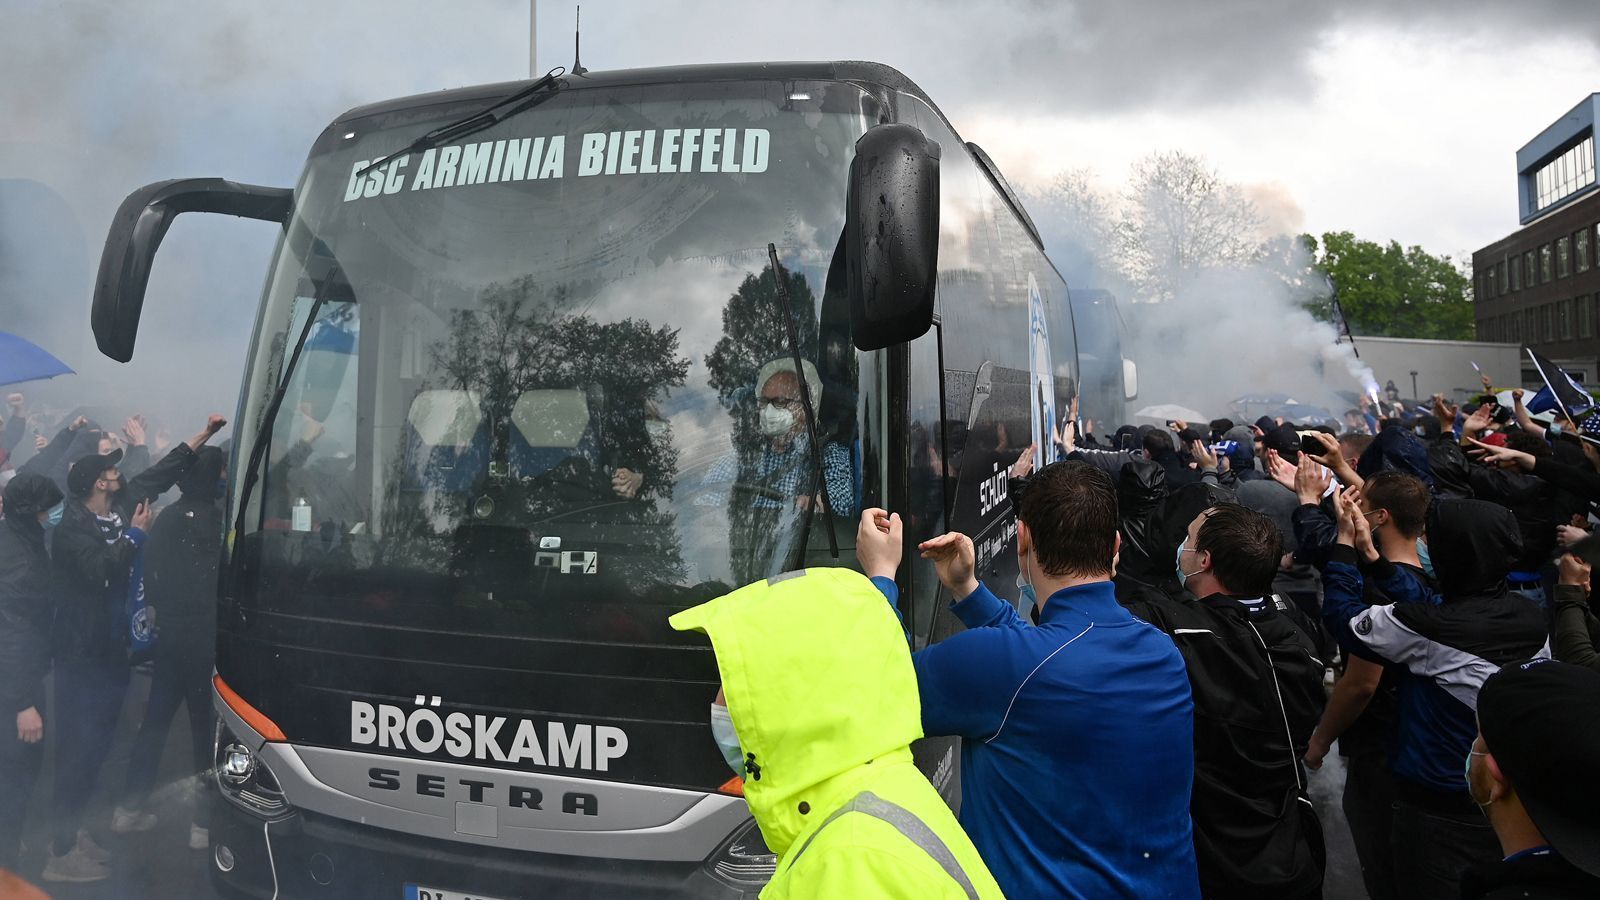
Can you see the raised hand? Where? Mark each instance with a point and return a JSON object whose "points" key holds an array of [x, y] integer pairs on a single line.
{"points": [[1501, 456], [879, 543], [1573, 571], [1477, 422], [1346, 513], [1203, 455], [1567, 535], [134, 430], [1311, 481], [1363, 527], [955, 560], [1280, 469], [142, 516], [1024, 463]]}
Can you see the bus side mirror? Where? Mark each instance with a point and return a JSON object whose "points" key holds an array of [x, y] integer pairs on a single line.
{"points": [[892, 236], [136, 232], [1130, 380]]}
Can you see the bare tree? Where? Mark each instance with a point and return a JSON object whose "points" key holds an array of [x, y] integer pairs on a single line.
{"points": [[1179, 218]]}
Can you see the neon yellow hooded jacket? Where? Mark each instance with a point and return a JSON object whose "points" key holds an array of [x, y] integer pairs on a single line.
{"points": [[819, 684]]}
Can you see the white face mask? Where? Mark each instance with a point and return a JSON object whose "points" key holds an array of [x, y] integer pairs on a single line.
{"points": [[727, 740], [776, 422], [1183, 577]]}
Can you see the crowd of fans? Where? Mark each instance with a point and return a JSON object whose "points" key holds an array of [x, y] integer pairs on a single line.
{"points": [[1152, 730], [87, 554], [1146, 727]]}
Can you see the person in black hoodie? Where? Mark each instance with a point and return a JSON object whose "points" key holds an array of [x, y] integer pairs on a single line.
{"points": [[1141, 490], [94, 553], [181, 585], [1257, 686], [25, 613]]}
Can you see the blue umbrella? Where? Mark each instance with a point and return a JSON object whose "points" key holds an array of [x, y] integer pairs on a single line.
{"points": [[21, 360]]}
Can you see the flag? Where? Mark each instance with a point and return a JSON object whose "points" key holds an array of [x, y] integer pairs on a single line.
{"points": [[1560, 391]]}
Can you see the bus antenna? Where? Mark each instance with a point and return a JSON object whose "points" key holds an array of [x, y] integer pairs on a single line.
{"points": [[577, 36]]}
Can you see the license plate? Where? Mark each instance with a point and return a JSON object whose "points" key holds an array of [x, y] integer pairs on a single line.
{"points": [[421, 892]]}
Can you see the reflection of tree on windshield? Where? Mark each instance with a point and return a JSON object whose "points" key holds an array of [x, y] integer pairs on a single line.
{"points": [[538, 409], [768, 478], [519, 340]]}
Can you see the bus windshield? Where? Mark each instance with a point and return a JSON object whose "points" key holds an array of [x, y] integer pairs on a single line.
{"points": [[546, 388]]}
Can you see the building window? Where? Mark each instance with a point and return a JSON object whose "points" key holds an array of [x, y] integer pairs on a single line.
{"points": [[1500, 271], [1563, 257], [1585, 312], [1564, 320], [1546, 257], [1530, 325], [1547, 323], [1515, 264], [1530, 275], [1565, 175], [1580, 249]]}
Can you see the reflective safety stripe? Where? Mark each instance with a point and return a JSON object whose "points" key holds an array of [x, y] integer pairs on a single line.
{"points": [[904, 821]]}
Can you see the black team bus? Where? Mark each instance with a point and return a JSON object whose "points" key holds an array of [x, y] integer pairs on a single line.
{"points": [[538, 365]]}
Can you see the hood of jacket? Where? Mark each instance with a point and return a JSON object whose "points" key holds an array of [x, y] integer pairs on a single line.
{"points": [[1396, 449], [1141, 490], [26, 496], [1141, 487], [200, 481], [1243, 457], [1472, 544], [818, 679], [1180, 509]]}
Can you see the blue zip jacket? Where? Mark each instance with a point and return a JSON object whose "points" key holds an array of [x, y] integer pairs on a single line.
{"points": [[1078, 744]]}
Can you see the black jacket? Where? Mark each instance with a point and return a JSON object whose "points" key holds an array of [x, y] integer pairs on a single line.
{"points": [[1258, 695], [1141, 491], [1538, 505], [181, 559], [1546, 877], [25, 600], [93, 559], [1575, 632]]}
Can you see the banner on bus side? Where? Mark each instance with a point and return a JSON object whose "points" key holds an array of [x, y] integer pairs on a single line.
{"points": [[655, 151]]}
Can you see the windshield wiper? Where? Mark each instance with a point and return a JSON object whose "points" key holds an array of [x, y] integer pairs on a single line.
{"points": [[258, 447], [805, 397], [489, 116]]}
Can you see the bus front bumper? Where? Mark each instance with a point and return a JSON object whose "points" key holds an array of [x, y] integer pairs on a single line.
{"points": [[314, 856]]}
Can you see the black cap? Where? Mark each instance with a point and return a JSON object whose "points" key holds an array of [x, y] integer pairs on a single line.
{"points": [[1538, 721], [1266, 424], [1285, 440], [86, 471]]}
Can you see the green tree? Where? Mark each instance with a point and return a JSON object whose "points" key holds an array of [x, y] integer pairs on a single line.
{"points": [[1386, 290]]}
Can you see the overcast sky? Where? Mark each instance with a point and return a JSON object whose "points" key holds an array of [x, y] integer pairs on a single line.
{"points": [[1390, 119]]}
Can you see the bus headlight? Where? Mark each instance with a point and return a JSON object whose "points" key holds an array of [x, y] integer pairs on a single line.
{"points": [[245, 780], [237, 764], [744, 861]]}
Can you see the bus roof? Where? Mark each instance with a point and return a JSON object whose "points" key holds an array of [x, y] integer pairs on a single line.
{"points": [[849, 70]]}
